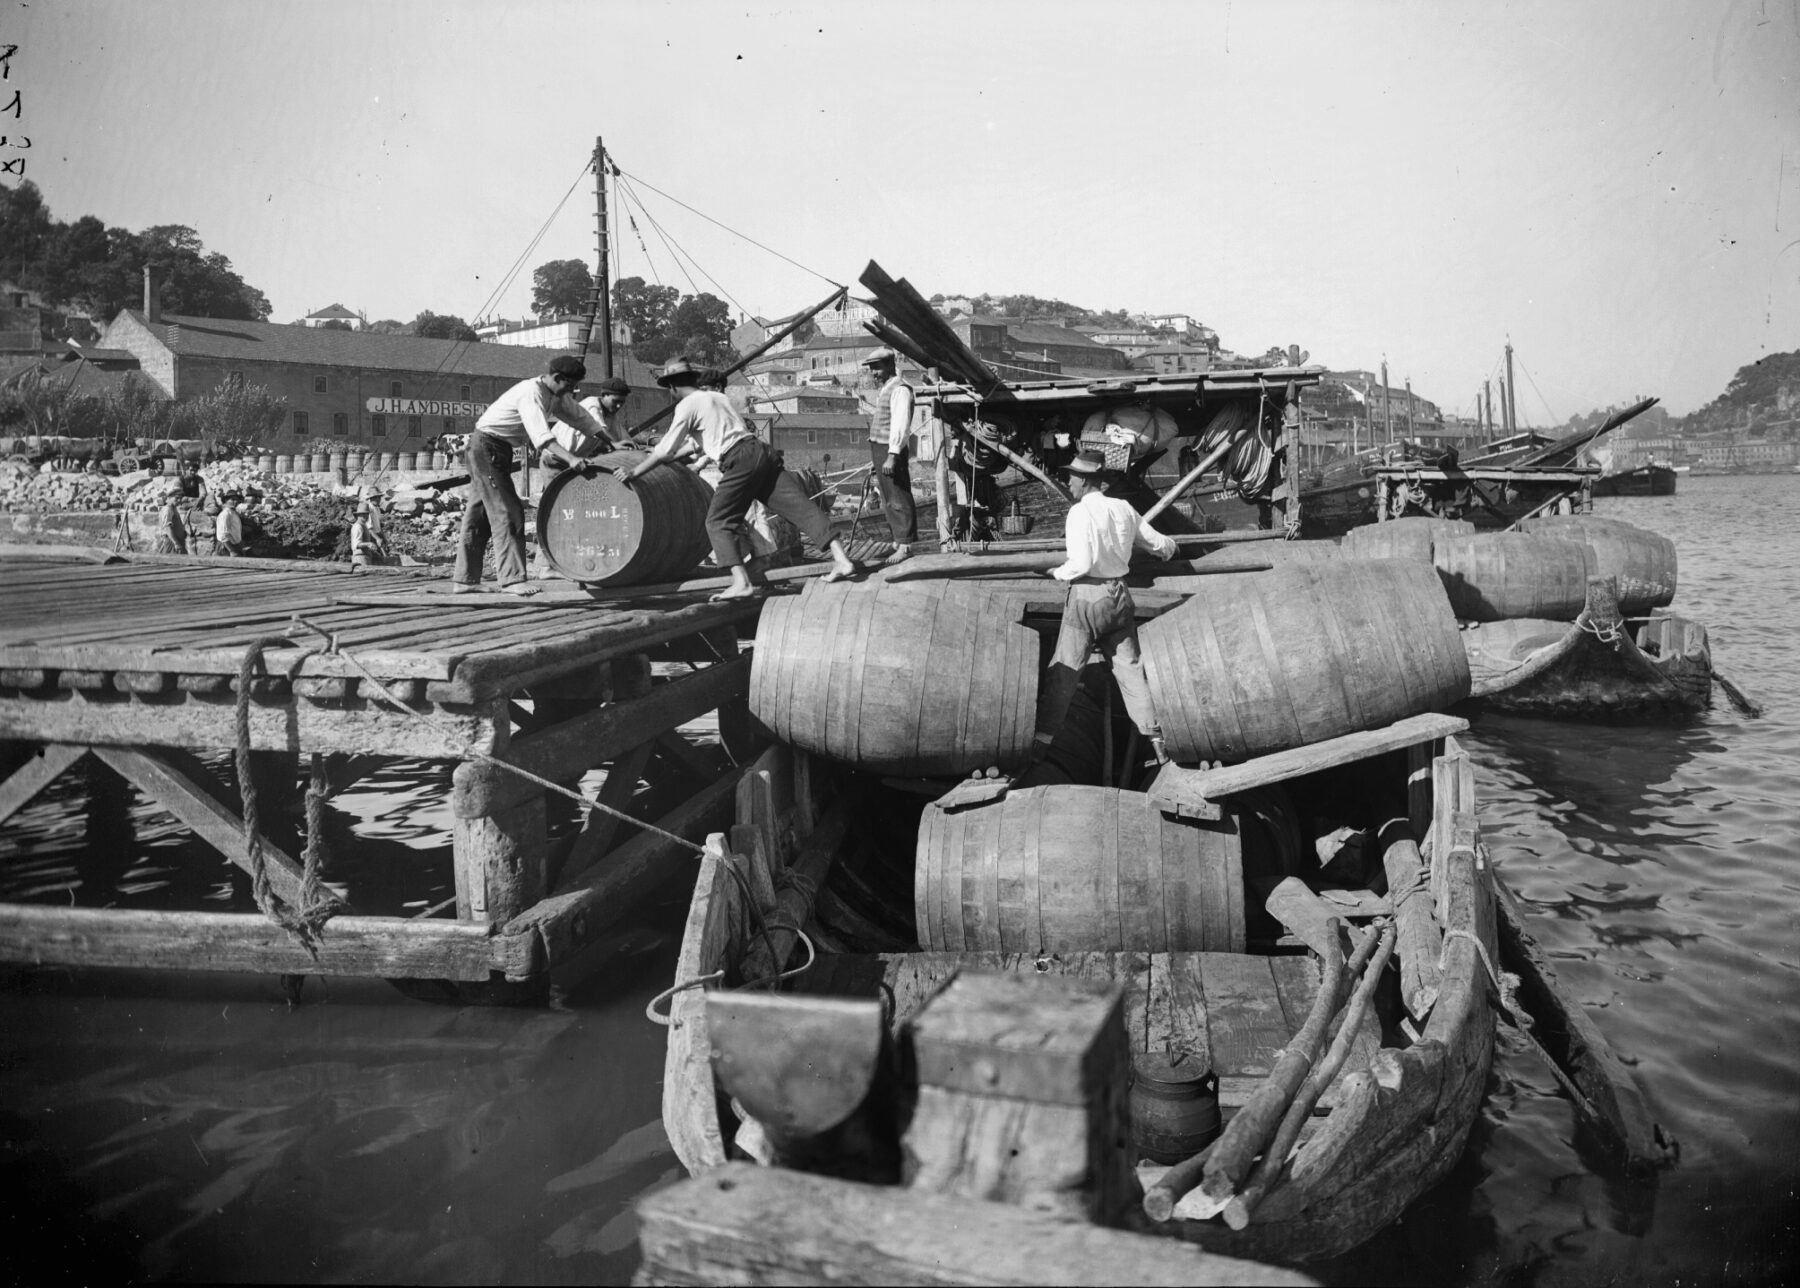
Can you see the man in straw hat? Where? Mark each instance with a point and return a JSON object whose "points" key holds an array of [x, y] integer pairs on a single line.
{"points": [[748, 472], [519, 417], [889, 425], [1100, 533]]}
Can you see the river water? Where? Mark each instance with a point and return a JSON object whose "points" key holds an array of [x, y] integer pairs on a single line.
{"points": [[198, 1127]]}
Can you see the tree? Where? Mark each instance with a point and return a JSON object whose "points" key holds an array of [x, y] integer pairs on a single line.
{"points": [[699, 330], [388, 326], [335, 324], [442, 326], [645, 309], [561, 287], [196, 283], [24, 227]]}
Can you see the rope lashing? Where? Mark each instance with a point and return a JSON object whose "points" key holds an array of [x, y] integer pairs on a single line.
{"points": [[454, 739], [1506, 986], [306, 922]]}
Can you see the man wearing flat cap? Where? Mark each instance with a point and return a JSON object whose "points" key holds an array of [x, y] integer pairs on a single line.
{"points": [[522, 416], [1100, 533], [889, 455], [604, 405], [748, 472]]}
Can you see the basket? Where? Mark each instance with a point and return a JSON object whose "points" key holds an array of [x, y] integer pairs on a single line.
{"points": [[1015, 523], [1116, 453]]}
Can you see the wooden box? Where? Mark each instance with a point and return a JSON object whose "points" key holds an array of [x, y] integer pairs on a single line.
{"points": [[1022, 1095]]}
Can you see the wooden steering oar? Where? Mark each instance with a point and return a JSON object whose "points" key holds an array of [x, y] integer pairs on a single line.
{"points": [[1022, 463]]}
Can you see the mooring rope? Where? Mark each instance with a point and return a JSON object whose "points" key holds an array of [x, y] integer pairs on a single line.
{"points": [[306, 922], [454, 738]]}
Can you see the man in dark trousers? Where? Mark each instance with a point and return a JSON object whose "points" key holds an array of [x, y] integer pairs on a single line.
{"points": [[1100, 533], [889, 455], [522, 416], [748, 472]]}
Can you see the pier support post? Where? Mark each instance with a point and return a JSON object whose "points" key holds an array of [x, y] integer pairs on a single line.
{"points": [[500, 862]]}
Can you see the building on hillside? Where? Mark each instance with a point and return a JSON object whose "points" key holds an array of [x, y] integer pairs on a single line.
{"points": [[562, 332], [367, 389], [829, 442], [806, 398], [334, 313], [1169, 359], [1061, 349]]}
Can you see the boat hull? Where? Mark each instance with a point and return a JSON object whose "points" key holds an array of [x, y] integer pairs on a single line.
{"points": [[1646, 480], [1399, 1117], [1647, 669]]}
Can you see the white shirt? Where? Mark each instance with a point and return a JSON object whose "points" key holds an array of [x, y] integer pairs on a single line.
{"points": [[580, 446], [523, 414], [1100, 533], [709, 416], [229, 528]]}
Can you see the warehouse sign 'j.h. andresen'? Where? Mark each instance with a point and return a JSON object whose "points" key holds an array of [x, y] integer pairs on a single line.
{"points": [[424, 407]]}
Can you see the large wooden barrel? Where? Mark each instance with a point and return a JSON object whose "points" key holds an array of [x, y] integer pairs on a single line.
{"points": [[1491, 576], [1260, 662], [594, 529], [927, 678], [1408, 538], [1643, 561], [1077, 869]]}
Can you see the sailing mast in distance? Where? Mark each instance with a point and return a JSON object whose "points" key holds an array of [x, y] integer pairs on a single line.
{"points": [[600, 295]]}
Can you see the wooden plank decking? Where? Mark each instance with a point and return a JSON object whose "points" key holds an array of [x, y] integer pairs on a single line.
{"points": [[137, 662]]}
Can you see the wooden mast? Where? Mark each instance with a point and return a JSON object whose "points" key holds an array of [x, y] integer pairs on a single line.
{"points": [[1510, 396], [600, 296]]}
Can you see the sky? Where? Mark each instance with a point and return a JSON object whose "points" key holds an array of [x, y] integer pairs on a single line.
{"points": [[1613, 187]]}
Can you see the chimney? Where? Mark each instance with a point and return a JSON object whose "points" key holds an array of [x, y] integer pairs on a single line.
{"points": [[152, 299]]}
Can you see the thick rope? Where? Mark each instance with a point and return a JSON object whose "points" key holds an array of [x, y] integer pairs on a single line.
{"points": [[454, 739], [306, 922]]}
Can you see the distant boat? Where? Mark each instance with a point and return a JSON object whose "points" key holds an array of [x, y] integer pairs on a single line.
{"points": [[1645, 480]]}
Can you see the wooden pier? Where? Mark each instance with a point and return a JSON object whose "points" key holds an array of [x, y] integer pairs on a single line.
{"points": [[138, 663]]}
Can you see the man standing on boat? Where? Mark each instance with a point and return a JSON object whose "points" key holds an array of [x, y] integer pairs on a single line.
{"points": [[748, 472], [889, 426], [519, 417], [1100, 533]]}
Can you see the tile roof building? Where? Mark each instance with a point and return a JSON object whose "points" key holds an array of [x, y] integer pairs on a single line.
{"points": [[367, 389]]}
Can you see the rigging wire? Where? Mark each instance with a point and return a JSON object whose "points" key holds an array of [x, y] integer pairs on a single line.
{"points": [[1554, 419], [668, 239], [734, 232], [664, 238]]}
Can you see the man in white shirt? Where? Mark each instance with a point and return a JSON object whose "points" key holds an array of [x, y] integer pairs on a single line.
{"points": [[520, 417], [228, 531], [1100, 532], [748, 471], [889, 425]]}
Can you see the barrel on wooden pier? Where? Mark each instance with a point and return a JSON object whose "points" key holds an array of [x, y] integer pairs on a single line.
{"points": [[1643, 561], [355, 461], [284, 465], [1491, 576], [1077, 869], [924, 678], [265, 461], [594, 529], [409, 461], [1266, 661], [1408, 538], [320, 462]]}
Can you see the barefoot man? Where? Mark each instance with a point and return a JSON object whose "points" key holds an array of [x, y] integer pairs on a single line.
{"points": [[520, 416], [748, 472]]}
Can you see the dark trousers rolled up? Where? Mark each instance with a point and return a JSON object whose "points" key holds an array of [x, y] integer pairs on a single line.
{"points": [[749, 472], [1096, 612], [896, 494], [494, 509]]}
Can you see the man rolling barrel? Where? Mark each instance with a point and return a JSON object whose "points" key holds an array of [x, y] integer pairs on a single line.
{"points": [[1100, 533], [748, 472], [520, 416]]}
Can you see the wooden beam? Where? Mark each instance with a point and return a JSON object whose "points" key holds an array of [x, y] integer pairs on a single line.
{"points": [[570, 918], [388, 947], [183, 786], [598, 829], [744, 1224], [1215, 784], [36, 774], [574, 746], [197, 722]]}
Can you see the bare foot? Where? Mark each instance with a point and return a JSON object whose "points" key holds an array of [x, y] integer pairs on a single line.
{"points": [[467, 588], [747, 592], [522, 589], [840, 574]]}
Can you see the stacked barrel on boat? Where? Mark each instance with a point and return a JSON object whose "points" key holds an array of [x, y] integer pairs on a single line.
{"points": [[940, 679]]}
